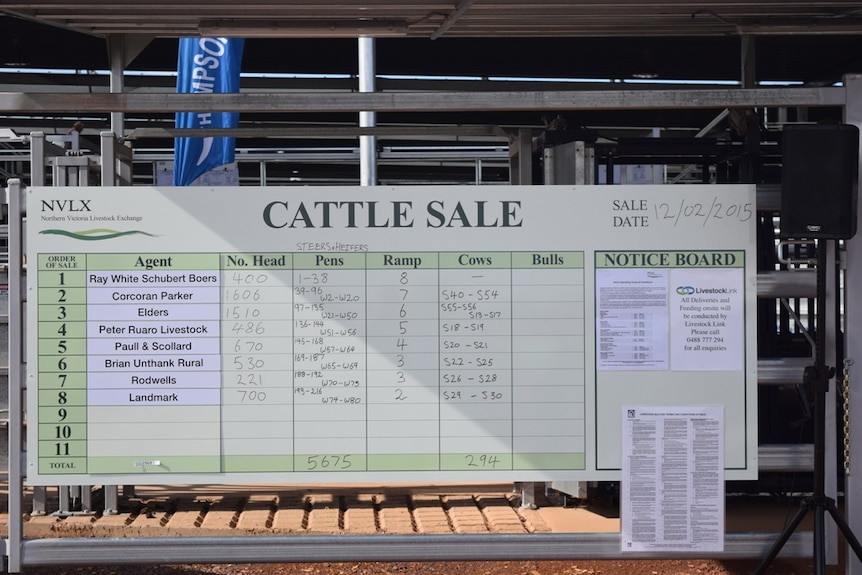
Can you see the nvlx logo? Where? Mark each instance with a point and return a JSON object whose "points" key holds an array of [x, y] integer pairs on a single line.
{"points": [[65, 205]]}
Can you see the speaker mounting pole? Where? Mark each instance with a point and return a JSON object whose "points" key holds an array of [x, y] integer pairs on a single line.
{"points": [[817, 376], [826, 158]]}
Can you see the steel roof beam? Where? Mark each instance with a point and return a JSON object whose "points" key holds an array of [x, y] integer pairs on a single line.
{"points": [[307, 102]]}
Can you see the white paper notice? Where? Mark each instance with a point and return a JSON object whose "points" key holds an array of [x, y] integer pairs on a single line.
{"points": [[672, 489], [707, 319], [632, 318]]}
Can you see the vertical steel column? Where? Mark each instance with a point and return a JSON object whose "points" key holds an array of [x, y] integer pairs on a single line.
{"points": [[853, 343], [65, 500], [521, 158], [109, 159], [37, 159], [570, 163], [831, 439], [367, 144], [40, 500], [521, 174], [112, 506], [116, 53], [112, 175], [17, 375]]}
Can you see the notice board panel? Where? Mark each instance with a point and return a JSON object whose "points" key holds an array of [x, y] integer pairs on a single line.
{"points": [[345, 334]]}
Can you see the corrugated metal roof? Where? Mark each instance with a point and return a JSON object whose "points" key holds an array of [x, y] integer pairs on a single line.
{"points": [[467, 18]]}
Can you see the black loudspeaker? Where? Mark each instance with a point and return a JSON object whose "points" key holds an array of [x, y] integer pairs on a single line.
{"points": [[820, 175]]}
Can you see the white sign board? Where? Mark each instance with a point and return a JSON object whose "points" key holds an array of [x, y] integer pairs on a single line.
{"points": [[201, 335]]}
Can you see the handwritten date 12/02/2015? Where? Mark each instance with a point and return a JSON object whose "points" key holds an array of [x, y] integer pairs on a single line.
{"points": [[705, 212]]}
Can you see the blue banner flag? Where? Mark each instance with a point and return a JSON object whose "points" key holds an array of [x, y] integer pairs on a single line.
{"points": [[205, 66]]}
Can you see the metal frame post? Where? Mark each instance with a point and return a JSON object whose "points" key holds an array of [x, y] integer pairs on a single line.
{"points": [[37, 160], [853, 340], [367, 144], [830, 414], [521, 158], [116, 53], [17, 375]]}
